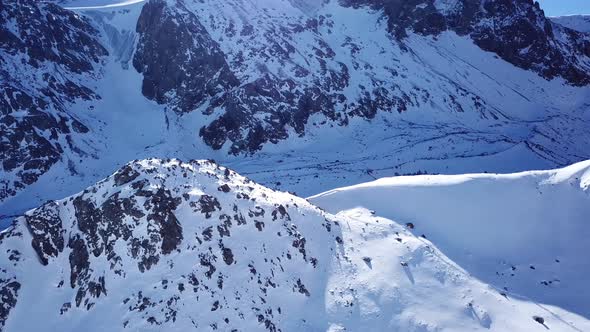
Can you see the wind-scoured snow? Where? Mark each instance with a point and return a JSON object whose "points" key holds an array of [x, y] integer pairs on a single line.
{"points": [[523, 233]]}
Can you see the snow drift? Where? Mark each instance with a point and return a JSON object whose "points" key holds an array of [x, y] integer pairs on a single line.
{"points": [[522, 232]]}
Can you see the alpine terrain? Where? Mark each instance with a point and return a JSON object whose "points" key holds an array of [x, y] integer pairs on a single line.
{"points": [[168, 245], [154, 155], [300, 95]]}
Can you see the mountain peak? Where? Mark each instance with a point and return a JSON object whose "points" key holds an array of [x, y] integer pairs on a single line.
{"points": [[190, 230], [164, 244]]}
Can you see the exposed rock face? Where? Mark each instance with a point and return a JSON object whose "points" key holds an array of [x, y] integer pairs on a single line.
{"points": [[243, 107], [8, 294], [267, 104], [515, 30], [47, 231], [9, 286], [154, 220], [221, 48], [46, 53], [181, 64]]}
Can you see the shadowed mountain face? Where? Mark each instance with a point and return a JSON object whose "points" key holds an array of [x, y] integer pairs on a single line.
{"points": [[180, 63], [370, 86]]}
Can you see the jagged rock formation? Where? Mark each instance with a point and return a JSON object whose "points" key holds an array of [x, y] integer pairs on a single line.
{"points": [[517, 31], [220, 246], [180, 63], [46, 54]]}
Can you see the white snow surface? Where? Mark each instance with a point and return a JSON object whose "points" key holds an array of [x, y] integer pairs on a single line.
{"points": [[522, 233], [373, 273], [96, 4]]}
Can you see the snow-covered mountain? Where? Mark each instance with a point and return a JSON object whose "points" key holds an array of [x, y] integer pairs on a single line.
{"points": [[575, 22], [513, 231], [303, 96], [46, 53], [299, 95], [168, 245]]}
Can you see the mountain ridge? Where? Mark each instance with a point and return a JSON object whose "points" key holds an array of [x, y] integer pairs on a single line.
{"points": [[320, 95], [293, 97], [192, 245], [576, 22]]}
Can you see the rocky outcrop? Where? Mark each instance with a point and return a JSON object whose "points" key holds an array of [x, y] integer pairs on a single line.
{"points": [[167, 221], [46, 54], [8, 294], [517, 31], [9, 285], [181, 65]]}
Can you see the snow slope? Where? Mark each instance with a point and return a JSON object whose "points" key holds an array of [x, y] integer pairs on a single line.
{"points": [[576, 22], [95, 4], [457, 108], [498, 117], [525, 233], [167, 245]]}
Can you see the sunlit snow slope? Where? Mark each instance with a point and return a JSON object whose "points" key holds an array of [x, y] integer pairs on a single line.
{"points": [[526, 234], [168, 245]]}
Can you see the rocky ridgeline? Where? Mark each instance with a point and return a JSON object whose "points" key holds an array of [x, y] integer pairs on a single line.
{"points": [[259, 105], [517, 31], [167, 240], [181, 246]]}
